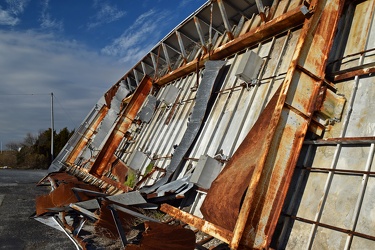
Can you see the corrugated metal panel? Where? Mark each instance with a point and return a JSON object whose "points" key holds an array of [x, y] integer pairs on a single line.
{"points": [[328, 203], [335, 182]]}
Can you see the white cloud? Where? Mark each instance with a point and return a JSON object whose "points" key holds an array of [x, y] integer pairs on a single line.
{"points": [[17, 6], [106, 14], [7, 18], [37, 63], [139, 38], [46, 21], [10, 15]]}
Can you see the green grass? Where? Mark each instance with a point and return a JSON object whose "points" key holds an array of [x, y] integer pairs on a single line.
{"points": [[149, 167], [130, 180]]}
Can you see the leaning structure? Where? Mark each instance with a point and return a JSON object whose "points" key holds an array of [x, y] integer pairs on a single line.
{"points": [[248, 126]]}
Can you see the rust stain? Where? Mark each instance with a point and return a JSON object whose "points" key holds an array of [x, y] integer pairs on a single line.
{"points": [[320, 98], [218, 232], [102, 162], [284, 176], [233, 181], [120, 170], [64, 177], [272, 189], [243, 204], [275, 26], [62, 196], [85, 138], [255, 228], [162, 236], [351, 74]]}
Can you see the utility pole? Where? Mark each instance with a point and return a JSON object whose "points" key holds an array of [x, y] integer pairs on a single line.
{"points": [[52, 126]]}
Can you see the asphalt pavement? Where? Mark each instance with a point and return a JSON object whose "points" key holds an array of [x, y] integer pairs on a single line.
{"points": [[17, 203]]}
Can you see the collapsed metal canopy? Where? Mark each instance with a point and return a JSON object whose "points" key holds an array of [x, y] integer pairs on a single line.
{"points": [[249, 122]]}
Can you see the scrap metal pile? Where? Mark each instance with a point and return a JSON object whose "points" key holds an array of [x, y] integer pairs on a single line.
{"points": [[214, 139]]}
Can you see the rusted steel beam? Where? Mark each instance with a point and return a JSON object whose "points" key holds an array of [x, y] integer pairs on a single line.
{"points": [[356, 72], [270, 180], [102, 162], [202, 225], [343, 230], [340, 171], [276, 26], [352, 55], [344, 141], [85, 138], [235, 177]]}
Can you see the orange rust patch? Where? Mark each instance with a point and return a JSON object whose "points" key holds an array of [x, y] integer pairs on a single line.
{"points": [[162, 236], [120, 171], [62, 196], [232, 182], [64, 177]]}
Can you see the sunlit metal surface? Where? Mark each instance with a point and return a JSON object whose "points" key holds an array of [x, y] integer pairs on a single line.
{"points": [[286, 117]]}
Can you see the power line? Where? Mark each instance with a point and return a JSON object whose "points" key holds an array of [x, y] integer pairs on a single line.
{"points": [[66, 113], [39, 94], [25, 94]]}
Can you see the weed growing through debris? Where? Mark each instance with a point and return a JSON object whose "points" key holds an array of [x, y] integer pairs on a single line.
{"points": [[130, 179]]}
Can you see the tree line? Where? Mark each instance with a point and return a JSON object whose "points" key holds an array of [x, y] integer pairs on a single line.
{"points": [[34, 152]]}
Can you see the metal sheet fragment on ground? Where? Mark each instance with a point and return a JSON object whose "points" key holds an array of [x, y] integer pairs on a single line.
{"points": [[130, 198], [62, 196], [162, 236]]}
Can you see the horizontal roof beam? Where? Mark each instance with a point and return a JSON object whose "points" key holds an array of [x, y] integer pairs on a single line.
{"points": [[276, 26]]}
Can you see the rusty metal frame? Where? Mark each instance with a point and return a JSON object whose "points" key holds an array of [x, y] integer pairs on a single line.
{"points": [[271, 178], [104, 158], [85, 139], [343, 140], [201, 224], [257, 219], [275, 26], [291, 114]]}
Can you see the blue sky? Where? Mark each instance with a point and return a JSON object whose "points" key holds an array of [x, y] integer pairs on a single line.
{"points": [[75, 49]]}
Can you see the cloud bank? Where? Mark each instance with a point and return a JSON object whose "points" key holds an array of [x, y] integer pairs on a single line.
{"points": [[33, 65]]}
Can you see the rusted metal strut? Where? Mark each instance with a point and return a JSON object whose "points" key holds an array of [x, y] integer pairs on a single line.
{"points": [[271, 162]]}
